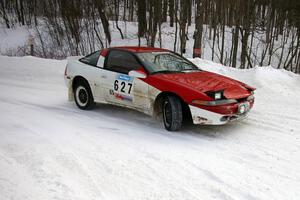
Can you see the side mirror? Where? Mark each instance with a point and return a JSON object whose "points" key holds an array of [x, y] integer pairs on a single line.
{"points": [[137, 74]]}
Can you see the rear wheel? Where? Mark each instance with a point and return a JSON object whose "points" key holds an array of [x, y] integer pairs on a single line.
{"points": [[172, 113], [83, 96]]}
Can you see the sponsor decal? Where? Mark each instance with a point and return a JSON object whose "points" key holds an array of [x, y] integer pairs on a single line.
{"points": [[111, 92], [124, 77], [123, 97]]}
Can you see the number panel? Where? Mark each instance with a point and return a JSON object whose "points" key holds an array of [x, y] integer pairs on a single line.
{"points": [[122, 88]]}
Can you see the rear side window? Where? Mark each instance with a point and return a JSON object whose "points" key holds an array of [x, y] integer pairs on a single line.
{"points": [[121, 61], [91, 59]]}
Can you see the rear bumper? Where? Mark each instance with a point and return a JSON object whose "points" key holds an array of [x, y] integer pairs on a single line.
{"points": [[202, 116]]}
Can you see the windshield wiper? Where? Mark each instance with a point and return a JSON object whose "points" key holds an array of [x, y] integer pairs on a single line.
{"points": [[166, 72]]}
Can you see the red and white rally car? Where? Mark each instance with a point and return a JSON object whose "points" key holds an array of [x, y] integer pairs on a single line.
{"points": [[156, 81]]}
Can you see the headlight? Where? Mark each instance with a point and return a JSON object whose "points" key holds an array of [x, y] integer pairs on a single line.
{"points": [[214, 103], [215, 94], [218, 95]]}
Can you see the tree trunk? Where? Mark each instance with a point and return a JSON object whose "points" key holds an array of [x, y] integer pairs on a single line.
{"points": [[104, 20], [171, 12], [142, 26], [198, 30]]}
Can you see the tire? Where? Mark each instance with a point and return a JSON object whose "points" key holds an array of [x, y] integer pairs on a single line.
{"points": [[172, 113], [83, 96]]}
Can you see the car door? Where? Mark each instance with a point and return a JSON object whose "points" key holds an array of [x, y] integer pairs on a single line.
{"points": [[118, 87]]}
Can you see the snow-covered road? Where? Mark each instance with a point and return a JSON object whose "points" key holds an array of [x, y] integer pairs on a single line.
{"points": [[49, 149]]}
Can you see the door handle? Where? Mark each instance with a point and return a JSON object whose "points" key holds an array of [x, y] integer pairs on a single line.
{"points": [[103, 76]]}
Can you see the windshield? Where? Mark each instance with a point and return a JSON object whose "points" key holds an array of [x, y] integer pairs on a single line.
{"points": [[165, 62]]}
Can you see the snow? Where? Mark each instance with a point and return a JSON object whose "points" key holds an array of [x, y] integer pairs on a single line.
{"points": [[13, 39], [49, 149]]}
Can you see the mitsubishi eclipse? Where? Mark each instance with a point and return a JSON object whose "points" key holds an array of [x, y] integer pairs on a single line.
{"points": [[157, 82]]}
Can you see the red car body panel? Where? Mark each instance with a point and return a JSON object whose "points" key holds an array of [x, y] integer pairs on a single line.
{"points": [[165, 84], [207, 81], [185, 84], [192, 86]]}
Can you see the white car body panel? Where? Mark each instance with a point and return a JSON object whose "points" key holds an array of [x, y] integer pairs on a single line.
{"points": [[102, 83]]}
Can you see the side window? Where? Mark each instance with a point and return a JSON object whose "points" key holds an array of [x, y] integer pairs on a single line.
{"points": [[100, 62], [121, 61], [91, 59]]}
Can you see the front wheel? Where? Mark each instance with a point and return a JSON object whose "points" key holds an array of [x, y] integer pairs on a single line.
{"points": [[172, 113], [83, 96]]}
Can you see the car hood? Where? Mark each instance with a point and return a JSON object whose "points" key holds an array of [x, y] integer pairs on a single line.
{"points": [[207, 81]]}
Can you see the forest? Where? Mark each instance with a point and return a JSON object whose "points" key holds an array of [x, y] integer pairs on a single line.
{"points": [[237, 33]]}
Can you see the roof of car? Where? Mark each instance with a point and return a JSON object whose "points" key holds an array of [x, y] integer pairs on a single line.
{"points": [[139, 49]]}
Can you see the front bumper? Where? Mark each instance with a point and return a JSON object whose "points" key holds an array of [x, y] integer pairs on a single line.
{"points": [[202, 116]]}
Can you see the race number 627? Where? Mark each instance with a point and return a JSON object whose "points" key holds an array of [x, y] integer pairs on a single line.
{"points": [[122, 86]]}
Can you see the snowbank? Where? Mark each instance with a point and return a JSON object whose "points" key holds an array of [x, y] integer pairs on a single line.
{"points": [[49, 149]]}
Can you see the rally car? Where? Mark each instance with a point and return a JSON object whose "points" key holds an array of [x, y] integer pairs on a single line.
{"points": [[157, 82]]}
